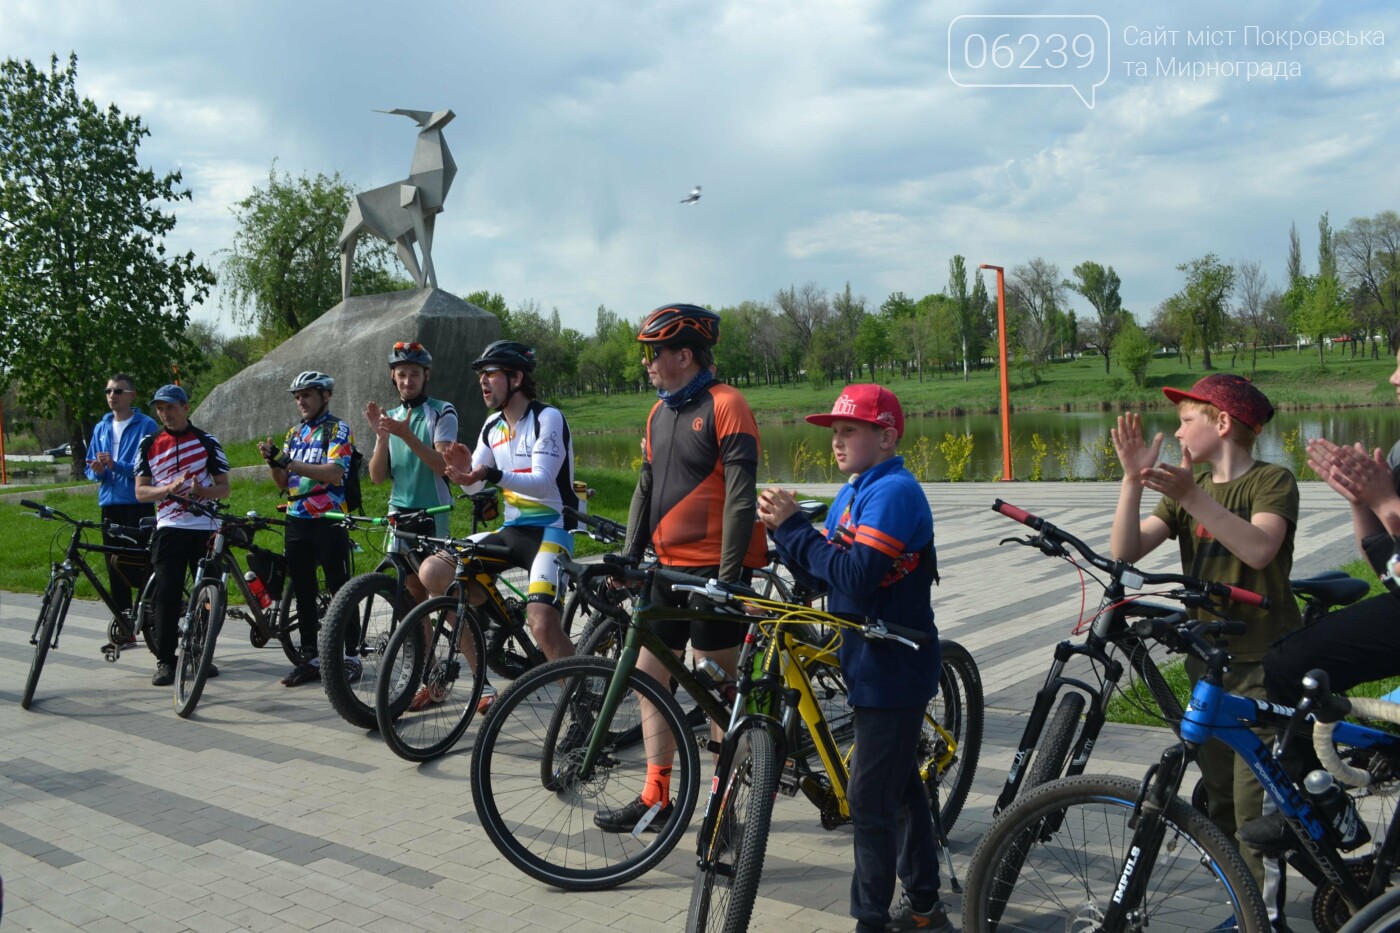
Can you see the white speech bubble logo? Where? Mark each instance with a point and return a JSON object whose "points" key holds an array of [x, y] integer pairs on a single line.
{"points": [[1030, 50]]}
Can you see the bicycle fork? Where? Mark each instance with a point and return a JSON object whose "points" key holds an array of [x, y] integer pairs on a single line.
{"points": [[1159, 788]]}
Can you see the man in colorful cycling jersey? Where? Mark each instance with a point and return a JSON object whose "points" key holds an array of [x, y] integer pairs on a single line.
{"points": [[179, 460], [526, 450], [877, 561], [408, 445], [311, 468], [694, 504]]}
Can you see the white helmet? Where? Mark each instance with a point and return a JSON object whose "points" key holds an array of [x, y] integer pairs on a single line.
{"points": [[311, 379]]}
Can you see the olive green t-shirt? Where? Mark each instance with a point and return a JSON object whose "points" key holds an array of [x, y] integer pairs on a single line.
{"points": [[1266, 487]]}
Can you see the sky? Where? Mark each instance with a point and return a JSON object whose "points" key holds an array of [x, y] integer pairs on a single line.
{"points": [[836, 142]]}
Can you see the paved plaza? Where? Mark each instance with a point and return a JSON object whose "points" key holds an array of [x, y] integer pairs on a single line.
{"points": [[266, 811]]}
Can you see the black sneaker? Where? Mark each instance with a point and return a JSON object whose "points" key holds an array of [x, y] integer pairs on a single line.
{"points": [[164, 675], [303, 673], [354, 667], [625, 819], [213, 671], [1270, 834], [904, 917]]}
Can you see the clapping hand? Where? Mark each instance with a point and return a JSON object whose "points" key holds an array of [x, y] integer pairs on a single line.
{"points": [[1362, 478], [1134, 453]]}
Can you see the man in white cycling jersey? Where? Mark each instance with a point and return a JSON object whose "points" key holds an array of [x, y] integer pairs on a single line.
{"points": [[526, 450]]}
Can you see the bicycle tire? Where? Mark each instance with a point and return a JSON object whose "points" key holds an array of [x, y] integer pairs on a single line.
{"points": [[603, 636], [580, 609], [364, 615], [57, 596], [1025, 876], [442, 667], [1140, 659], [958, 708], [204, 618], [287, 628], [1052, 752], [550, 834], [1380, 916], [722, 901]]}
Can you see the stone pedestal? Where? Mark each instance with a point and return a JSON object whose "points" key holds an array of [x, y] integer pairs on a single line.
{"points": [[351, 342]]}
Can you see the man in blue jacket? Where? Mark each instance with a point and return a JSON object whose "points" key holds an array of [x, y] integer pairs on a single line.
{"points": [[111, 462], [877, 561]]}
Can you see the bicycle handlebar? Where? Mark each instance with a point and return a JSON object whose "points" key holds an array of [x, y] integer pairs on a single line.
{"points": [[1328, 709], [338, 516], [599, 529], [1050, 540], [473, 548]]}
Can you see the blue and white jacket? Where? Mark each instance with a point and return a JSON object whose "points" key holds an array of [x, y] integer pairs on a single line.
{"points": [[118, 483]]}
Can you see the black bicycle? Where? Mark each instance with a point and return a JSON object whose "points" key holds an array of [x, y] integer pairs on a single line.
{"points": [[1055, 744], [126, 626]]}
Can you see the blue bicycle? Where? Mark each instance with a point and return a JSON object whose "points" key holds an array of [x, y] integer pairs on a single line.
{"points": [[1098, 852]]}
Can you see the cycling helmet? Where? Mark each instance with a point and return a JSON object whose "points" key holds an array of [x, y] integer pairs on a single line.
{"points": [[507, 354], [414, 352], [680, 324], [311, 379]]}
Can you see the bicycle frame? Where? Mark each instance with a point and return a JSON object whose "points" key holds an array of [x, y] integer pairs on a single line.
{"points": [[74, 563], [1214, 713]]}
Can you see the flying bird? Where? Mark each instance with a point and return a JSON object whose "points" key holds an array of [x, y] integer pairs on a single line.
{"points": [[694, 196]]}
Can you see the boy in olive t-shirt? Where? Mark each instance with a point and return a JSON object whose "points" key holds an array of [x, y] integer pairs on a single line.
{"points": [[1234, 518]]}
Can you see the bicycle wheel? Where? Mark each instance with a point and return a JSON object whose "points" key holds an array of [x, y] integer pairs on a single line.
{"points": [[143, 614], [722, 897], [51, 614], [357, 624], [1055, 741], [509, 650], [957, 711], [1054, 857], [203, 619], [288, 623], [431, 647], [603, 636], [596, 616], [548, 833], [1380, 916]]}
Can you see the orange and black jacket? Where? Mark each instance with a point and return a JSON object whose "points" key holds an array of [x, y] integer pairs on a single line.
{"points": [[696, 500]]}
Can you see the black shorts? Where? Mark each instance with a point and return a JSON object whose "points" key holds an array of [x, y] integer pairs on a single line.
{"points": [[702, 635]]}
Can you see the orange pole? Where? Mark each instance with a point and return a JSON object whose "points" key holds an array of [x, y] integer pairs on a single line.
{"points": [[1006, 476]]}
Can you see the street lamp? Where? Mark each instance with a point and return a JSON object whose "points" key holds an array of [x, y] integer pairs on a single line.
{"points": [[1006, 476]]}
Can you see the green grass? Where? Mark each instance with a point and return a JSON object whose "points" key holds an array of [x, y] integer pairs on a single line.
{"points": [[1134, 705], [1290, 379], [30, 545]]}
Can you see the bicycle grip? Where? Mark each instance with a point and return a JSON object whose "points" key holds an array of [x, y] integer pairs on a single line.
{"points": [[917, 636], [31, 504], [1020, 515], [1246, 597]]}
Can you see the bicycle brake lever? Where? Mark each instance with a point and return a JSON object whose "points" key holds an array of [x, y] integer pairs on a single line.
{"points": [[1027, 541]]}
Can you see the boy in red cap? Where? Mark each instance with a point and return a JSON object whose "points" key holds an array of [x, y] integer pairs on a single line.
{"points": [[1234, 518], [877, 561]]}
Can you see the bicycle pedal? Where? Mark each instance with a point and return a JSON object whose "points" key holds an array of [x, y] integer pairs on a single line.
{"points": [[788, 783], [708, 744]]}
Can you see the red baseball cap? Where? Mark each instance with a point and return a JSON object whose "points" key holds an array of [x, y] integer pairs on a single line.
{"points": [[1234, 395], [869, 403]]}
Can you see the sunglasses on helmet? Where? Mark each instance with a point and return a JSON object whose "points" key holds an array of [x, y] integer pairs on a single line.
{"points": [[414, 346]]}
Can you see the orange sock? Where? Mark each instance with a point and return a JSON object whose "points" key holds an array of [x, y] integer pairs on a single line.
{"points": [[658, 787]]}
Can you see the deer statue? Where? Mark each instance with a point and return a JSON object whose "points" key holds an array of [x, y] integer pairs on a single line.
{"points": [[404, 212]]}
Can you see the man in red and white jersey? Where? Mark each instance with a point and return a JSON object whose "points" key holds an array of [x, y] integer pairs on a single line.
{"points": [[179, 460]]}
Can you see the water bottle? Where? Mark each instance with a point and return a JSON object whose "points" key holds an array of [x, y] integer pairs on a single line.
{"points": [[721, 681], [1337, 810], [255, 586]]}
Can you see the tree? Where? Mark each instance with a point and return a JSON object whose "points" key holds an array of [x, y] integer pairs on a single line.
{"points": [[1133, 349], [801, 314], [493, 302], [1252, 311], [87, 286], [283, 270], [1201, 302], [872, 343], [962, 307], [1100, 287], [1035, 293], [1368, 252]]}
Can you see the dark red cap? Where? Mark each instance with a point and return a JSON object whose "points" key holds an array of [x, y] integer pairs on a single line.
{"points": [[870, 403], [1234, 395]]}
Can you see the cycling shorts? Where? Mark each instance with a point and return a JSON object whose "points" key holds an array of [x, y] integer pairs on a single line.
{"points": [[702, 634], [536, 550]]}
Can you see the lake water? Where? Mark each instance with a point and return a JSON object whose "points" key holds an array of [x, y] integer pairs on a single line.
{"points": [[1076, 444]]}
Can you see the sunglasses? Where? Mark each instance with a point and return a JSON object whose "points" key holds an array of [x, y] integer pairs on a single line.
{"points": [[401, 345], [651, 351], [117, 391]]}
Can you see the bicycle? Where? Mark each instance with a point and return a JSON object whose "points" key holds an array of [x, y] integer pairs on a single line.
{"points": [[126, 625], [1053, 743], [208, 606], [439, 646], [732, 841], [1122, 854], [365, 612], [563, 743]]}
